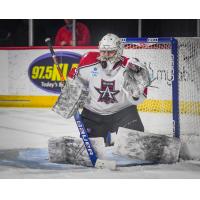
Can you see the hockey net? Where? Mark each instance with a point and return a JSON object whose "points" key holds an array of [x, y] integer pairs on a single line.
{"points": [[169, 102]]}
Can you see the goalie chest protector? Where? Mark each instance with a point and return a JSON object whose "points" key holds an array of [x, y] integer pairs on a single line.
{"points": [[106, 92]]}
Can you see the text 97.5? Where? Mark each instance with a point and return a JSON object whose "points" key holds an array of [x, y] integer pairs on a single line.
{"points": [[49, 72]]}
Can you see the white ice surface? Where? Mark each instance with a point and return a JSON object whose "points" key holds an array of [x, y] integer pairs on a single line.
{"points": [[31, 128]]}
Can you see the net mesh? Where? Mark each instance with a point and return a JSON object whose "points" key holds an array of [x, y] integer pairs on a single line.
{"points": [[189, 84]]}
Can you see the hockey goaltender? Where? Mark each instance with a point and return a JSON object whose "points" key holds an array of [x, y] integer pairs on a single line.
{"points": [[108, 87]]}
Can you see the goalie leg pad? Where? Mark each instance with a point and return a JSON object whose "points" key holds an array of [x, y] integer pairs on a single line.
{"points": [[190, 147], [147, 146], [72, 150]]}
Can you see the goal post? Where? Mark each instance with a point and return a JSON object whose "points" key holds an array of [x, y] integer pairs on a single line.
{"points": [[174, 66]]}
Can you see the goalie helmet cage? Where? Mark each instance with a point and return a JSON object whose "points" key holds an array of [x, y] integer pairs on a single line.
{"points": [[174, 66]]}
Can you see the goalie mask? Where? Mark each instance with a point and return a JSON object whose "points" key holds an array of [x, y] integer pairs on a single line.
{"points": [[111, 50]]}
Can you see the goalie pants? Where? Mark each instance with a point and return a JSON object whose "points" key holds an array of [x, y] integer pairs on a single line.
{"points": [[100, 125]]}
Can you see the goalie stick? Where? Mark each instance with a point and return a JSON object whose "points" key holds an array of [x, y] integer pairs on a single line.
{"points": [[82, 130]]}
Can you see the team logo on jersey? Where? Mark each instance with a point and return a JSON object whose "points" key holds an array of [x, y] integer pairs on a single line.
{"points": [[107, 92]]}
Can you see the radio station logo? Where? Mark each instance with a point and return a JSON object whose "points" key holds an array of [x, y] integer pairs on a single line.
{"points": [[43, 72]]}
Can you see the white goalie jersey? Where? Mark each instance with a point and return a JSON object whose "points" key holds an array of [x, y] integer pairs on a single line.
{"points": [[106, 92]]}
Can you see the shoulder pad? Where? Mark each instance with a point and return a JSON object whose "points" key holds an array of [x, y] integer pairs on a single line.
{"points": [[89, 59]]}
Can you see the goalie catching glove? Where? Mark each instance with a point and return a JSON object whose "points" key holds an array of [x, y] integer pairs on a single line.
{"points": [[136, 78]]}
